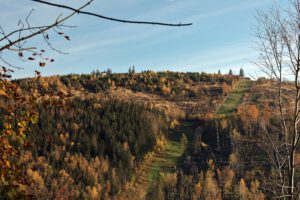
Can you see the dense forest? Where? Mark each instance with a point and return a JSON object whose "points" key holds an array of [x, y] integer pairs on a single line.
{"points": [[215, 166], [94, 146], [91, 142]]}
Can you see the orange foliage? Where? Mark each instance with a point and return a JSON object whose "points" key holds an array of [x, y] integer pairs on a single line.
{"points": [[226, 88], [248, 112]]}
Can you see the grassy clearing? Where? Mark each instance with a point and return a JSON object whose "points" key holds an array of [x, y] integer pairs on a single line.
{"points": [[166, 161], [235, 98], [163, 162]]}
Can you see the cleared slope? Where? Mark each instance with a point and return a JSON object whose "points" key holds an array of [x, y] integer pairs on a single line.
{"points": [[166, 161], [163, 162], [235, 97]]}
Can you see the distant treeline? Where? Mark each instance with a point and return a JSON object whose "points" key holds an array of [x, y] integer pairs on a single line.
{"points": [[166, 84]]}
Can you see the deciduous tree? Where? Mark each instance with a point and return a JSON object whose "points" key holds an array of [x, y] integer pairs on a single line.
{"points": [[278, 42]]}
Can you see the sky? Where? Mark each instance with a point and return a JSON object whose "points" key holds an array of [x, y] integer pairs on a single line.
{"points": [[221, 37]]}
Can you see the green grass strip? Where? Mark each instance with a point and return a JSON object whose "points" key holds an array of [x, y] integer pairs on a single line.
{"points": [[235, 98]]}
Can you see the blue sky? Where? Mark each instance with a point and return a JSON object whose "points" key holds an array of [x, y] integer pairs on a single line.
{"points": [[221, 36]]}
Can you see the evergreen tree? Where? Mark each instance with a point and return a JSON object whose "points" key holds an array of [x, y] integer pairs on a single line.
{"points": [[242, 73], [230, 72], [133, 69], [219, 72], [109, 72]]}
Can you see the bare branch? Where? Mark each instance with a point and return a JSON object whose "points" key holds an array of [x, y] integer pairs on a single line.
{"points": [[110, 18], [57, 22]]}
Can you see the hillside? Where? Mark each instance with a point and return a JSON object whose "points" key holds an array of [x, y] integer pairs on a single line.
{"points": [[147, 135], [197, 94]]}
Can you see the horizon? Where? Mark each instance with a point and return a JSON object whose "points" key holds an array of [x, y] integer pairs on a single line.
{"points": [[219, 39], [236, 74]]}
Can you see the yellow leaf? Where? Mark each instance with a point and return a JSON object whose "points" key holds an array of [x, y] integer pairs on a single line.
{"points": [[8, 132], [21, 131], [3, 93], [7, 164], [7, 126], [22, 124], [34, 119]]}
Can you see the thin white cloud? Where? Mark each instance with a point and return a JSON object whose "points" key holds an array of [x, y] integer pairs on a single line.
{"points": [[125, 33], [96, 35]]}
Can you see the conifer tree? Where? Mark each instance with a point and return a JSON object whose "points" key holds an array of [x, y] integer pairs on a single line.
{"points": [[242, 73]]}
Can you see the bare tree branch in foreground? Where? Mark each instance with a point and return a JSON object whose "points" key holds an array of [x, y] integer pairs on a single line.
{"points": [[18, 40], [110, 18]]}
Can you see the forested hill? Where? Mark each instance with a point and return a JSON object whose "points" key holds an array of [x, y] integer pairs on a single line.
{"points": [[164, 135], [197, 94], [165, 84], [96, 131]]}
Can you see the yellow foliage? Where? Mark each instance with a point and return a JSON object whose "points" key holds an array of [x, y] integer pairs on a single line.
{"points": [[233, 159], [160, 144], [125, 146], [226, 88], [92, 192], [162, 80], [3, 93], [170, 179], [209, 115], [36, 177], [7, 125], [211, 189], [243, 190], [166, 90], [223, 124], [7, 164], [235, 135], [227, 175], [248, 114], [198, 189]]}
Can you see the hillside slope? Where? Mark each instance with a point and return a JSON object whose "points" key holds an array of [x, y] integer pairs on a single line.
{"points": [[111, 135], [166, 161]]}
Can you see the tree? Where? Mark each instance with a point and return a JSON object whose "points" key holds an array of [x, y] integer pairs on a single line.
{"points": [[242, 73], [219, 72], [183, 141], [278, 42], [131, 70], [230, 72]]}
